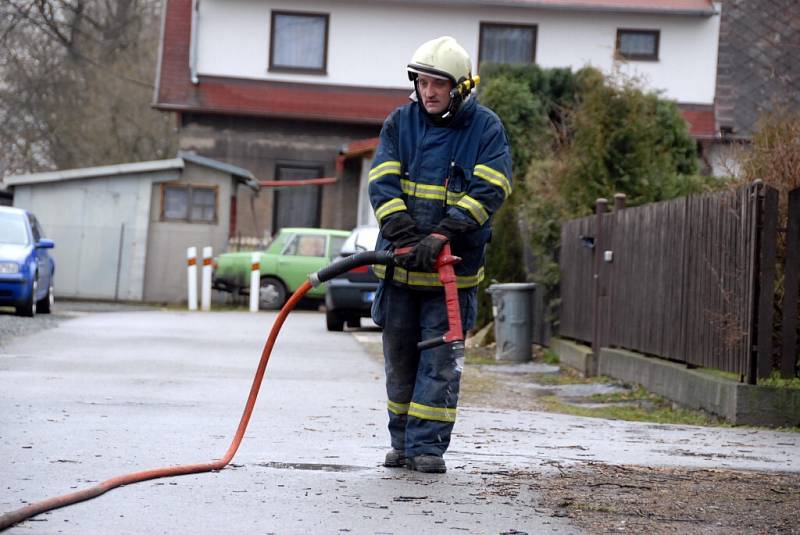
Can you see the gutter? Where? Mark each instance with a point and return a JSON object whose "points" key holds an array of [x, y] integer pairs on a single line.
{"points": [[651, 8]]}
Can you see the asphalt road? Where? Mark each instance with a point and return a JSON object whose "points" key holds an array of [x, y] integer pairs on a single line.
{"points": [[97, 395], [106, 394]]}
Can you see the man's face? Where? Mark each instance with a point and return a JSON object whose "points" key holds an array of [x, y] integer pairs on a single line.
{"points": [[435, 93]]}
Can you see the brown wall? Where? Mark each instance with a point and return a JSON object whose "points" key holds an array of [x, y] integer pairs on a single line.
{"points": [[259, 144]]}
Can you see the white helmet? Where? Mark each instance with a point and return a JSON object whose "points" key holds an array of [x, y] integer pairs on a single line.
{"points": [[443, 58]]}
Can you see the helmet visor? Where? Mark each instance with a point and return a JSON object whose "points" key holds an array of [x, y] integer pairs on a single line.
{"points": [[415, 70]]}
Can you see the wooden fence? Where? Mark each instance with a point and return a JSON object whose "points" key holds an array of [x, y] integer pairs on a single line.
{"points": [[691, 280]]}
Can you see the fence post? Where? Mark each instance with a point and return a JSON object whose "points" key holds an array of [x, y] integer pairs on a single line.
{"points": [[255, 279], [769, 238], [619, 201], [792, 281], [191, 271], [766, 231], [600, 210], [205, 296]]}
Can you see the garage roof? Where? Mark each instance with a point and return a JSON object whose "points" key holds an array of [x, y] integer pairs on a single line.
{"points": [[244, 176]]}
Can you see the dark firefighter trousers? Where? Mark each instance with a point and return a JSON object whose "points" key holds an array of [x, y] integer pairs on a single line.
{"points": [[422, 386]]}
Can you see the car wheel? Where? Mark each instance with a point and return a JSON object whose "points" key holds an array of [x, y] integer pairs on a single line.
{"points": [[354, 322], [45, 305], [29, 308], [271, 294], [334, 321]]}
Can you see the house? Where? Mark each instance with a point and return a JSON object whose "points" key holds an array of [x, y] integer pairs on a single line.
{"points": [[288, 89], [758, 70], [121, 231]]}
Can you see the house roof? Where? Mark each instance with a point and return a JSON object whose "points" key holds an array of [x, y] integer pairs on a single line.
{"points": [[662, 7], [235, 96], [179, 162], [700, 119], [758, 68]]}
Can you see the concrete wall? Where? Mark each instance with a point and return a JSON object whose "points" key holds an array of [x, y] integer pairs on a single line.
{"points": [[100, 229], [259, 145], [233, 40], [738, 403], [165, 273]]}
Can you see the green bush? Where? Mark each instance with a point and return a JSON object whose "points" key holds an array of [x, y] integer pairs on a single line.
{"points": [[577, 136]]}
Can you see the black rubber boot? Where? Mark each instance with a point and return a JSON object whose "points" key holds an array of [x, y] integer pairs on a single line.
{"points": [[395, 459], [431, 464]]}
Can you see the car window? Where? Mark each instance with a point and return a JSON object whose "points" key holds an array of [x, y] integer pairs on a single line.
{"points": [[37, 235], [361, 239], [36, 228], [13, 230], [305, 245], [337, 244], [367, 239]]}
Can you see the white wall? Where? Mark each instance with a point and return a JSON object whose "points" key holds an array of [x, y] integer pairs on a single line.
{"points": [[369, 45]]}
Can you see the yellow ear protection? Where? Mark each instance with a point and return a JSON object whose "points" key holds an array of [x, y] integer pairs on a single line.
{"points": [[459, 93], [466, 85]]}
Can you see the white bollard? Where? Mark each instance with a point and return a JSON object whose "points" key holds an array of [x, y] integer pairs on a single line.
{"points": [[191, 268], [205, 288], [255, 280]]}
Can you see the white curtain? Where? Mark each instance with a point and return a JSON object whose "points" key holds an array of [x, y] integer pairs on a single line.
{"points": [[637, 44], [508, 45], [299, 41]]}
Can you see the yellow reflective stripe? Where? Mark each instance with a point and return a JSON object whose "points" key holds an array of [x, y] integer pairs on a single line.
{"points": [[423, 278], [423, 191], [493, 177], [429, 191], [397, 408], [426, 412], [386, 168], [473, 207], [389, 207], [453, 197]]}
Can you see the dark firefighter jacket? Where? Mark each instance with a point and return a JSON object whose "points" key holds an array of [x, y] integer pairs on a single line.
{"points": [[462, 170]]}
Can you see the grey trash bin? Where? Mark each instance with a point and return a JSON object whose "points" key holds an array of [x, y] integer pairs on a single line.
{"points": [[512, 304]]}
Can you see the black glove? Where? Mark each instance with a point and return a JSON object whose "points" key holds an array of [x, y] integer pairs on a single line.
{"points": [[423, 255], [400, 229], [451, 227]]}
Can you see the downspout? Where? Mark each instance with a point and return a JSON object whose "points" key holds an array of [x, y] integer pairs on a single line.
{"points": [[193, 42]]}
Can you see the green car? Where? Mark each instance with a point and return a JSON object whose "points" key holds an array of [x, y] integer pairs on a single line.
{"points": [[285, 265]]}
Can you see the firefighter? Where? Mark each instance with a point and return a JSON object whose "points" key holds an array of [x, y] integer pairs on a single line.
{"points": [[442, 168]]}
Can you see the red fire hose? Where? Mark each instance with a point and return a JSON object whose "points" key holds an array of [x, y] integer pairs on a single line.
{"points": [[364, 258]]}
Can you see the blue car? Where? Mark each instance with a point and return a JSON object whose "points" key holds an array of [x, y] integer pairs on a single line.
{"points": [[26, 268]]}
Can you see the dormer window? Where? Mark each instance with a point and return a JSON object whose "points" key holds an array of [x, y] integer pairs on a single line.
{"points": [[637, 45], [507, 43], [299, 42]]}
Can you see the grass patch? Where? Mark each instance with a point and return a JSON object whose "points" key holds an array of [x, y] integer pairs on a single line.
{"points": [[566, 376], [720, 374], [637, 394], [777, 381], [661, 411], [483, 356], [549, 356], [774, 380]]}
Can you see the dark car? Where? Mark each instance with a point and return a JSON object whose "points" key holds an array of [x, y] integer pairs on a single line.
{"points": [[26, 268], [348, 297]]}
